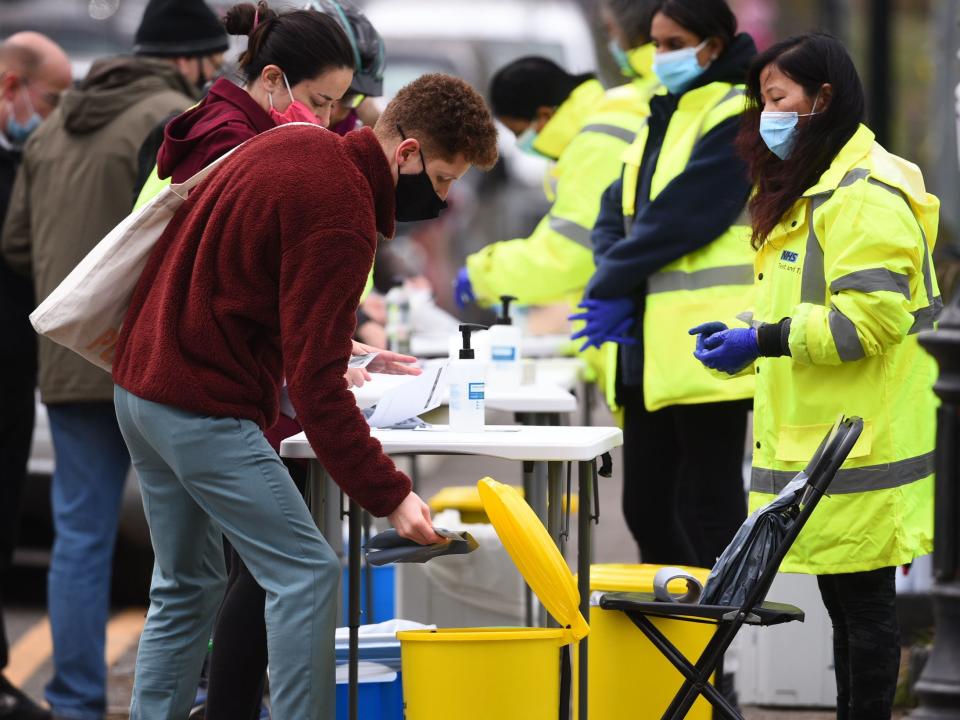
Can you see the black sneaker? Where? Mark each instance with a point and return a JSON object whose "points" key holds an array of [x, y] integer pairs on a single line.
{"points": [[15, 705]]}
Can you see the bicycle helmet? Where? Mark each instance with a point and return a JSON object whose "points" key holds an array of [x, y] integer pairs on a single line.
{"points": [[368, 50]]}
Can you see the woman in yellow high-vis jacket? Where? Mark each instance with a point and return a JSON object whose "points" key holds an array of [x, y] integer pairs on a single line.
{"points": [[844, 281], [670, 251]]}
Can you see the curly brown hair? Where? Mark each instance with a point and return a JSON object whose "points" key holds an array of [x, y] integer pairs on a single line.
{"points": [[447, 116]]}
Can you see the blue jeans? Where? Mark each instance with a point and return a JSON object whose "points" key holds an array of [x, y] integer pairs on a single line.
{"points": [[201, 476], [92, 463]]}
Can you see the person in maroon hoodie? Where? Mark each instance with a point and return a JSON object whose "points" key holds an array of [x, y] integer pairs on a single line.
{"points": [[256, 278], [312, 51]]}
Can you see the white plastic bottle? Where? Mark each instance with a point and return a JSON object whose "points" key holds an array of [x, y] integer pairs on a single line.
{"points": [[466, 381], [505, 347], [398, 319]]}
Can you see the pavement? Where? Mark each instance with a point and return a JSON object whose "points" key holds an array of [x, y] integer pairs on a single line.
{"points": [[28, 626]]}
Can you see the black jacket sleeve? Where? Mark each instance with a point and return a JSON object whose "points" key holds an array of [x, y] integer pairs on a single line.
{"points": [[608, 230], [692, 211]]}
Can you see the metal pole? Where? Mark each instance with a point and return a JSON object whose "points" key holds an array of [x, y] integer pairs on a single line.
{"points": [[354, 512], [584, 547], [939, 685], [881, 95]]}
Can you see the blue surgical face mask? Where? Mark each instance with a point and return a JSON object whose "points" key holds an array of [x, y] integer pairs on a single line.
{"points": [[677, 69], [18, 132], [525, 141], [779, 129], [622, 58]]}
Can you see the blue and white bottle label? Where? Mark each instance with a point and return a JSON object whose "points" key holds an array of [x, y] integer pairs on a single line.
{"points": [[475, 391]]}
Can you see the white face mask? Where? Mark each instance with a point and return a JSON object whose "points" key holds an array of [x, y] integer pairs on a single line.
{"points": [[779, 129], [677, 69]]}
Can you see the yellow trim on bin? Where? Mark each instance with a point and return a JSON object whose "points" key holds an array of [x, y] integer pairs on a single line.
{"points": [[484, 634]]}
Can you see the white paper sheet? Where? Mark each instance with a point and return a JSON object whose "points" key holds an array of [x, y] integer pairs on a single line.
{"points": [[407, 401]]}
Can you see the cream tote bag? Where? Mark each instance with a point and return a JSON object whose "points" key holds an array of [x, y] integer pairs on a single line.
{"points": [[85, 311]]}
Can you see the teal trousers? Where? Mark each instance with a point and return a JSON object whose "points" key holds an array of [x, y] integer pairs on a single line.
{"points": [[201, 476]]}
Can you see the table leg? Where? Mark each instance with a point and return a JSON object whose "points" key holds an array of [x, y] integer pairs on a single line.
{"points": [[528, 484], [354, 511], [584, 548], [554, 510], [367, 569]]}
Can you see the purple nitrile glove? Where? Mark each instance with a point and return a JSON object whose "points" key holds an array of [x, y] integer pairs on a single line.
{"points": [[463, 289], [606, 320], [729, 351], [705, 330]]}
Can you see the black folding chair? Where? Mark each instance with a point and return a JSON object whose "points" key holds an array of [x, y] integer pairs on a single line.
{"points": [[640, 607]]}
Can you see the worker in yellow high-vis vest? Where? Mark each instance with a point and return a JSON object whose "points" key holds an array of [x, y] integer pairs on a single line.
{"points": [[583, 130], [844, 282], [671, 250]]}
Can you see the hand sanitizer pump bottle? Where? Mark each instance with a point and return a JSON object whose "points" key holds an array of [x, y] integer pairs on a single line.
{"points": [[465, 377], [505, 341]]}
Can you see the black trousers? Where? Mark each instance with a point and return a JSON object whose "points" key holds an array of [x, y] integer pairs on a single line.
{"points": [[238, 662], [683, 494], [866, 641], [16, 430]]}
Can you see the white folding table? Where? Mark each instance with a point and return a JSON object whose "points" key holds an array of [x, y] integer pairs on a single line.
{"points": [[532, 346], [551, 444]]}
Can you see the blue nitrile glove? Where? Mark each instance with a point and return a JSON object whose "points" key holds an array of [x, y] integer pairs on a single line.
{"points": [[729, 351], [606, 321], [463, 289], [706, 330]]}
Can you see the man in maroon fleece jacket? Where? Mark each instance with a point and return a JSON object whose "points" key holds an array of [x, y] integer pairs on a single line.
{"points": [[257, 278]]}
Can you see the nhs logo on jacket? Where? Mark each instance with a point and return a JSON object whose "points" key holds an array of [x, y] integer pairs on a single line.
{"points": [[789, 256]]}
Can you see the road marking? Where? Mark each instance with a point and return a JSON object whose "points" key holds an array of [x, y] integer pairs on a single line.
{"points": [[123, 632], [30, 652], [35, 646]]}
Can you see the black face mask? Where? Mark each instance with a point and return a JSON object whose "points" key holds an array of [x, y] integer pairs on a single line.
{"points": [[416, 198]]}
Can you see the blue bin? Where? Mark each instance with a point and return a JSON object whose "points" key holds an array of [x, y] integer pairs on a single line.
{"points": [[377, 700], [383, 594]]}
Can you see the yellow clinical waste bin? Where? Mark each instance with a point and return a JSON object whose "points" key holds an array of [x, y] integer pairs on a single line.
{"points": [[466, 500], [628, 676], [498, 673]]}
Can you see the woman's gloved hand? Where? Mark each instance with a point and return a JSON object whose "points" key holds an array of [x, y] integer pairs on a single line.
{"points": [[606, 321], [706, 330], [728, 351], [463, 289]]}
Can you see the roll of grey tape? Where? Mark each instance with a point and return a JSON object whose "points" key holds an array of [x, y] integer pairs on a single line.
{"points": [[667, 575]]}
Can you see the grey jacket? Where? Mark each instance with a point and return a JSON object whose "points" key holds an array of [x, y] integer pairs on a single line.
{"points": [[75, 184]]}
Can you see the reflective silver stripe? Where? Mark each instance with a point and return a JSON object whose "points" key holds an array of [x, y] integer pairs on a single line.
{"points": [[927, 276], [852, 480], [924, 318], [813, 284], [731, 93], [570, 230], [612, 130], [873, 280], [845, 336], [700, 279]]}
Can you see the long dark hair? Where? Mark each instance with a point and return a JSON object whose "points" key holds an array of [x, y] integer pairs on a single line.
{"points": [[811, 60], [302, 43], [521, 87], [704, 18]]}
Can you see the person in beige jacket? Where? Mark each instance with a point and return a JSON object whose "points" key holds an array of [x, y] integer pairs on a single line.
{"points": [[74, 185]]}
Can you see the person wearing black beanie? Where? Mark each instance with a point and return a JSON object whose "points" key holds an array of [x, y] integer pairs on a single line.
{"points": [[185, 32]]}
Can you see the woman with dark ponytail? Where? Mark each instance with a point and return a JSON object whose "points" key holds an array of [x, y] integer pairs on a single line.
{"points": [[296, 65], [844, 280]]}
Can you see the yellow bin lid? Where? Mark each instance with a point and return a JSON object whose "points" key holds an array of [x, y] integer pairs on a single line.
{"points": [[534, 553], [466, 499]]}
